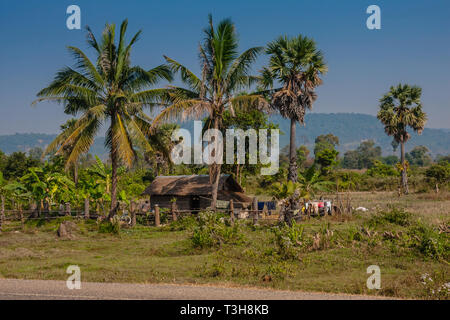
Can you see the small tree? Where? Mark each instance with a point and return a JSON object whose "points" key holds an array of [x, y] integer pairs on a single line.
{"points": [[401, 108], [327, 158], [438, 174]]}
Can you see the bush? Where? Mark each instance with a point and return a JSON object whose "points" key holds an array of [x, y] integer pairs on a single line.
{"points": [[183, 223], [213, 230], [429, 242], [112, 226], [380, 169], [289, 240], [395, 216]]}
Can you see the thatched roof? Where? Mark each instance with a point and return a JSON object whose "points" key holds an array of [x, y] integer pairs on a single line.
{"points": [[194, 185]]}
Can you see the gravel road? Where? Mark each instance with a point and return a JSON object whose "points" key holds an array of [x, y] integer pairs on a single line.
{"points": [[57, 290]]}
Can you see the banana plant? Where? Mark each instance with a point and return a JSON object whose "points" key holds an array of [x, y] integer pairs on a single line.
{"points": [[53, 187], [17, 192], [310, 183], [280, 191]]}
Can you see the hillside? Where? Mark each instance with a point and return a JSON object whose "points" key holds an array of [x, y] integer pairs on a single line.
{"points": [[27, 141], [351, 128]]}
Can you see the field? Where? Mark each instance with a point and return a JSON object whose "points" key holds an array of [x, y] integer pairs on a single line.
{"points": [[321, 254]]}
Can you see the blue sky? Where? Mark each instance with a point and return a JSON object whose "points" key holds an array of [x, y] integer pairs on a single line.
{"points": [[412, 47]]}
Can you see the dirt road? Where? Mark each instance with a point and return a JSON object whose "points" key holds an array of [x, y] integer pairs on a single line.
{"points": [[57, 290]]}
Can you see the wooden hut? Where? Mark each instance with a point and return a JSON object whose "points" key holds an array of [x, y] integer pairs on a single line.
{"points": [[194, 192]]}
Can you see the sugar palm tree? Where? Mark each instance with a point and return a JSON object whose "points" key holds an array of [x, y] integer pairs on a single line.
{"points": [[296, 64], [401, 108], [108, 92], [224, 74]]}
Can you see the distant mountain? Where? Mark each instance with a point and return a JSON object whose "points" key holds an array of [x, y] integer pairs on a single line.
{"points": [[26, 141], [351, 128]]}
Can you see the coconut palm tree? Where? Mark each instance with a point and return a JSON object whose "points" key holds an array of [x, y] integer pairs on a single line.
{"points": [[401, 108], [224, 74], [66, 130], [296, 64], [108, 92]]}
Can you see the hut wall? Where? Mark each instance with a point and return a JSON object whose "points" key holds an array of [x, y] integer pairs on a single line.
{"points": [[164, 201]]}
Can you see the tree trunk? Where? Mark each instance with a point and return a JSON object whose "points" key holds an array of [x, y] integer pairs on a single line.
{"points": [[214, 174], [214, 171], [75, 173], [114, 165], [404, 169], [292, 174]]}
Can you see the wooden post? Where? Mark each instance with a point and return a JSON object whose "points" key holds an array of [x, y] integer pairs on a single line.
{"points": [[255, 210], [68, 210], [157, 222], [265, 210], [2, 213], [46, 207], [174, 212], [86, 207], [40, 206], [34, 210], [21, 215], [133, 213], [231, 211]]}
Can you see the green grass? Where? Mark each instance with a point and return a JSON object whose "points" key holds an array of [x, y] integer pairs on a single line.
{"points": [[169, 254]]}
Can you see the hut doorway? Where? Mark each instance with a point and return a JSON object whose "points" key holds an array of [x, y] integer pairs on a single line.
{"points": [[195, 203]]}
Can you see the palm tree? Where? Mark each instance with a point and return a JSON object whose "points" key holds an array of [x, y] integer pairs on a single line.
{"points": [[224, 74], [110, 92], [297, 65], [400, 108], [66, 130]]}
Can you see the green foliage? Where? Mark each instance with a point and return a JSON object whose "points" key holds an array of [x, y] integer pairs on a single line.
{"points": [[429, 241], [390, 160], [283, 190], [289, 240], [327, 158], [112, 226], [311, 182], [380, 169], [325, 141], [302, 156], [243, 120], [213, 230], [17, 164], [394, 215], [183, 223], [419, 156], [363, 157], [45, 183], [438, 173]]}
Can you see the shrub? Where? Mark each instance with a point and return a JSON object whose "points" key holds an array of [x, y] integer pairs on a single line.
{"points": [[380, 169], [213, 230], [436, 286], [289, 240], [429, 242], [394, 215], [112, 226], [183, 223]]}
